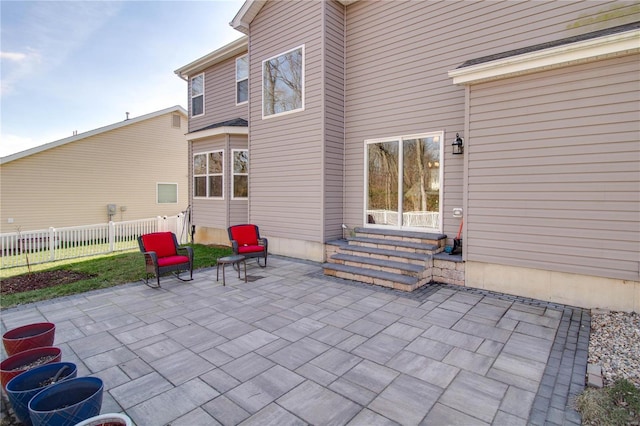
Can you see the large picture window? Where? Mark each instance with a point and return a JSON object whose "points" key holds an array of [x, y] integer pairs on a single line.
{"points": [[208, 174], [242, 80], [197, 95], [283, 83], [240, 173]]}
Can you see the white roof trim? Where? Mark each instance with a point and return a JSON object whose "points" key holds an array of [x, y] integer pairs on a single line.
{"points": [[94, 132], [225, 52], [224, 130], [250, 10], [582, 51]]}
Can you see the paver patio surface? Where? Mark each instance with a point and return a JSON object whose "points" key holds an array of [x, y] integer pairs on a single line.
{"points": [[293, 347]]}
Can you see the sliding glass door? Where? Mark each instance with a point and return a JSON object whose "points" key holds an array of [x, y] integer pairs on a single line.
{"points": [[403, 182]]}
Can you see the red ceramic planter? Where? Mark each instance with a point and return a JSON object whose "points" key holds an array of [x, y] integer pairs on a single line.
{"points": [[28, 337], [19, 363]]}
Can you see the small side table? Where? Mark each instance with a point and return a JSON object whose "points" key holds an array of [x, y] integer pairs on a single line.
{"points": [[231, 260]]}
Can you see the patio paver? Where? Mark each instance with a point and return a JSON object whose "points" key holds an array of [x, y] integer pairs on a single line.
{"points": [[294, 347]]}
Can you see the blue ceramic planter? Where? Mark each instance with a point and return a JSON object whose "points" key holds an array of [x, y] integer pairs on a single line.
{"points": [[67, 403], [26, 385]]}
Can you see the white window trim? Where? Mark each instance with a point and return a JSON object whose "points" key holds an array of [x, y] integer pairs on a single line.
{"points": [[400, 165], [237, 81], [234, 174], [167, 183], [206, 153], [191, 94], [555, 57], [293, 111]]}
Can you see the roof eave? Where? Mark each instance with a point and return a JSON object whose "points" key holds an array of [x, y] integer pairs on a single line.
{"points": [[232, 49], [224, 130], [250, 10], [623, 43], [60, 142]]}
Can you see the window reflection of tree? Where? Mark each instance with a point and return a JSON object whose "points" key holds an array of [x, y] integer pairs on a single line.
{"points": [[283, 83]]}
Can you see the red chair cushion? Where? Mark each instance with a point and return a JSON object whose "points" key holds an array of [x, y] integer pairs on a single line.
{"points": [[172, 260], [245, 235], [160, 242], [250, 249]]}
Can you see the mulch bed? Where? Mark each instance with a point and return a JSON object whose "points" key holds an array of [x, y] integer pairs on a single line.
{"points": [[40, 280]]}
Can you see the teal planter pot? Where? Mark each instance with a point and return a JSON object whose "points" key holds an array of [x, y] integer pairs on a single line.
{"points": [[26, 385], [67, 403]]}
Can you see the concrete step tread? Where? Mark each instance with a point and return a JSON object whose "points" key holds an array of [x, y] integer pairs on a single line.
{"points": [[386, 252], [403, 266], [397, 243], [388, 276]]}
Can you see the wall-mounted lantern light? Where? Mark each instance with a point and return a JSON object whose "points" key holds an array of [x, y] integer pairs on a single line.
{"points": [[458, 147]]}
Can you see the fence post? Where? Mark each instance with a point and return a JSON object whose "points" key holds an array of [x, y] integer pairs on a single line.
{"points": [[180, 227], [112, 235], [52, 244]]}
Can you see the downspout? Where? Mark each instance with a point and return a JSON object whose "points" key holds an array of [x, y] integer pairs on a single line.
{"points": [[344, 113]]}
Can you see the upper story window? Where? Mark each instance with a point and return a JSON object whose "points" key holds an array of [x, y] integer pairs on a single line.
{"points": [[242, 80], [208, 170], [240, 173], [197, 95], [283, 83]]}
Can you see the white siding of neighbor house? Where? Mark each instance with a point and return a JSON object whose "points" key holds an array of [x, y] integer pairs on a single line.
{"points": [[286, 184], [398, 54], [71, 184], [554, 170], [211, 212], [219, 96]]}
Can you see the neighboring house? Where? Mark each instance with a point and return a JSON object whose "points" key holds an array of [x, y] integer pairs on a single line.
{"points": [[137, 166], [353, 110]]}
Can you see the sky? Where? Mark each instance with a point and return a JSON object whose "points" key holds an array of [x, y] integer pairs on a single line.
{"points": [[79, 65]]}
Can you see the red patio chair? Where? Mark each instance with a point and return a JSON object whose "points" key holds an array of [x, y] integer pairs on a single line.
{"points": [[245, 240], [162, 254]]}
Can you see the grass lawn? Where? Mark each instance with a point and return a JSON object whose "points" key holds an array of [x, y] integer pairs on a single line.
{"points": [[105, 271]]}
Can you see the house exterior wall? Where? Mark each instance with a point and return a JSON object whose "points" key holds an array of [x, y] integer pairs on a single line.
{"points": [[287, 152], [72, 184], [219, 96], [212, 216], [397, 58], [554, 170]]}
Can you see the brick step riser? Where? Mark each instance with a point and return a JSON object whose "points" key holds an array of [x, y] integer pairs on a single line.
{"points": [[380, 268], [391, 246], [385, 257], [403, 239], [375, 281]]}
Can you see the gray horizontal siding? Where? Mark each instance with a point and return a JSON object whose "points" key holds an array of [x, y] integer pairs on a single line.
{"points": [[554, 171], [287, 151], [398, 54], [219, 96]]}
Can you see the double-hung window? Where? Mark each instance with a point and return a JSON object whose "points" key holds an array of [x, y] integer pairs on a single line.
{"points": [[283, 83], [197, 95], [208, 169], [242, 80], [240, 173]]}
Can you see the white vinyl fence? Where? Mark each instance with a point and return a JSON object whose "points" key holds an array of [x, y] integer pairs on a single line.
{"points": [[48, 245], [417, 219]]}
